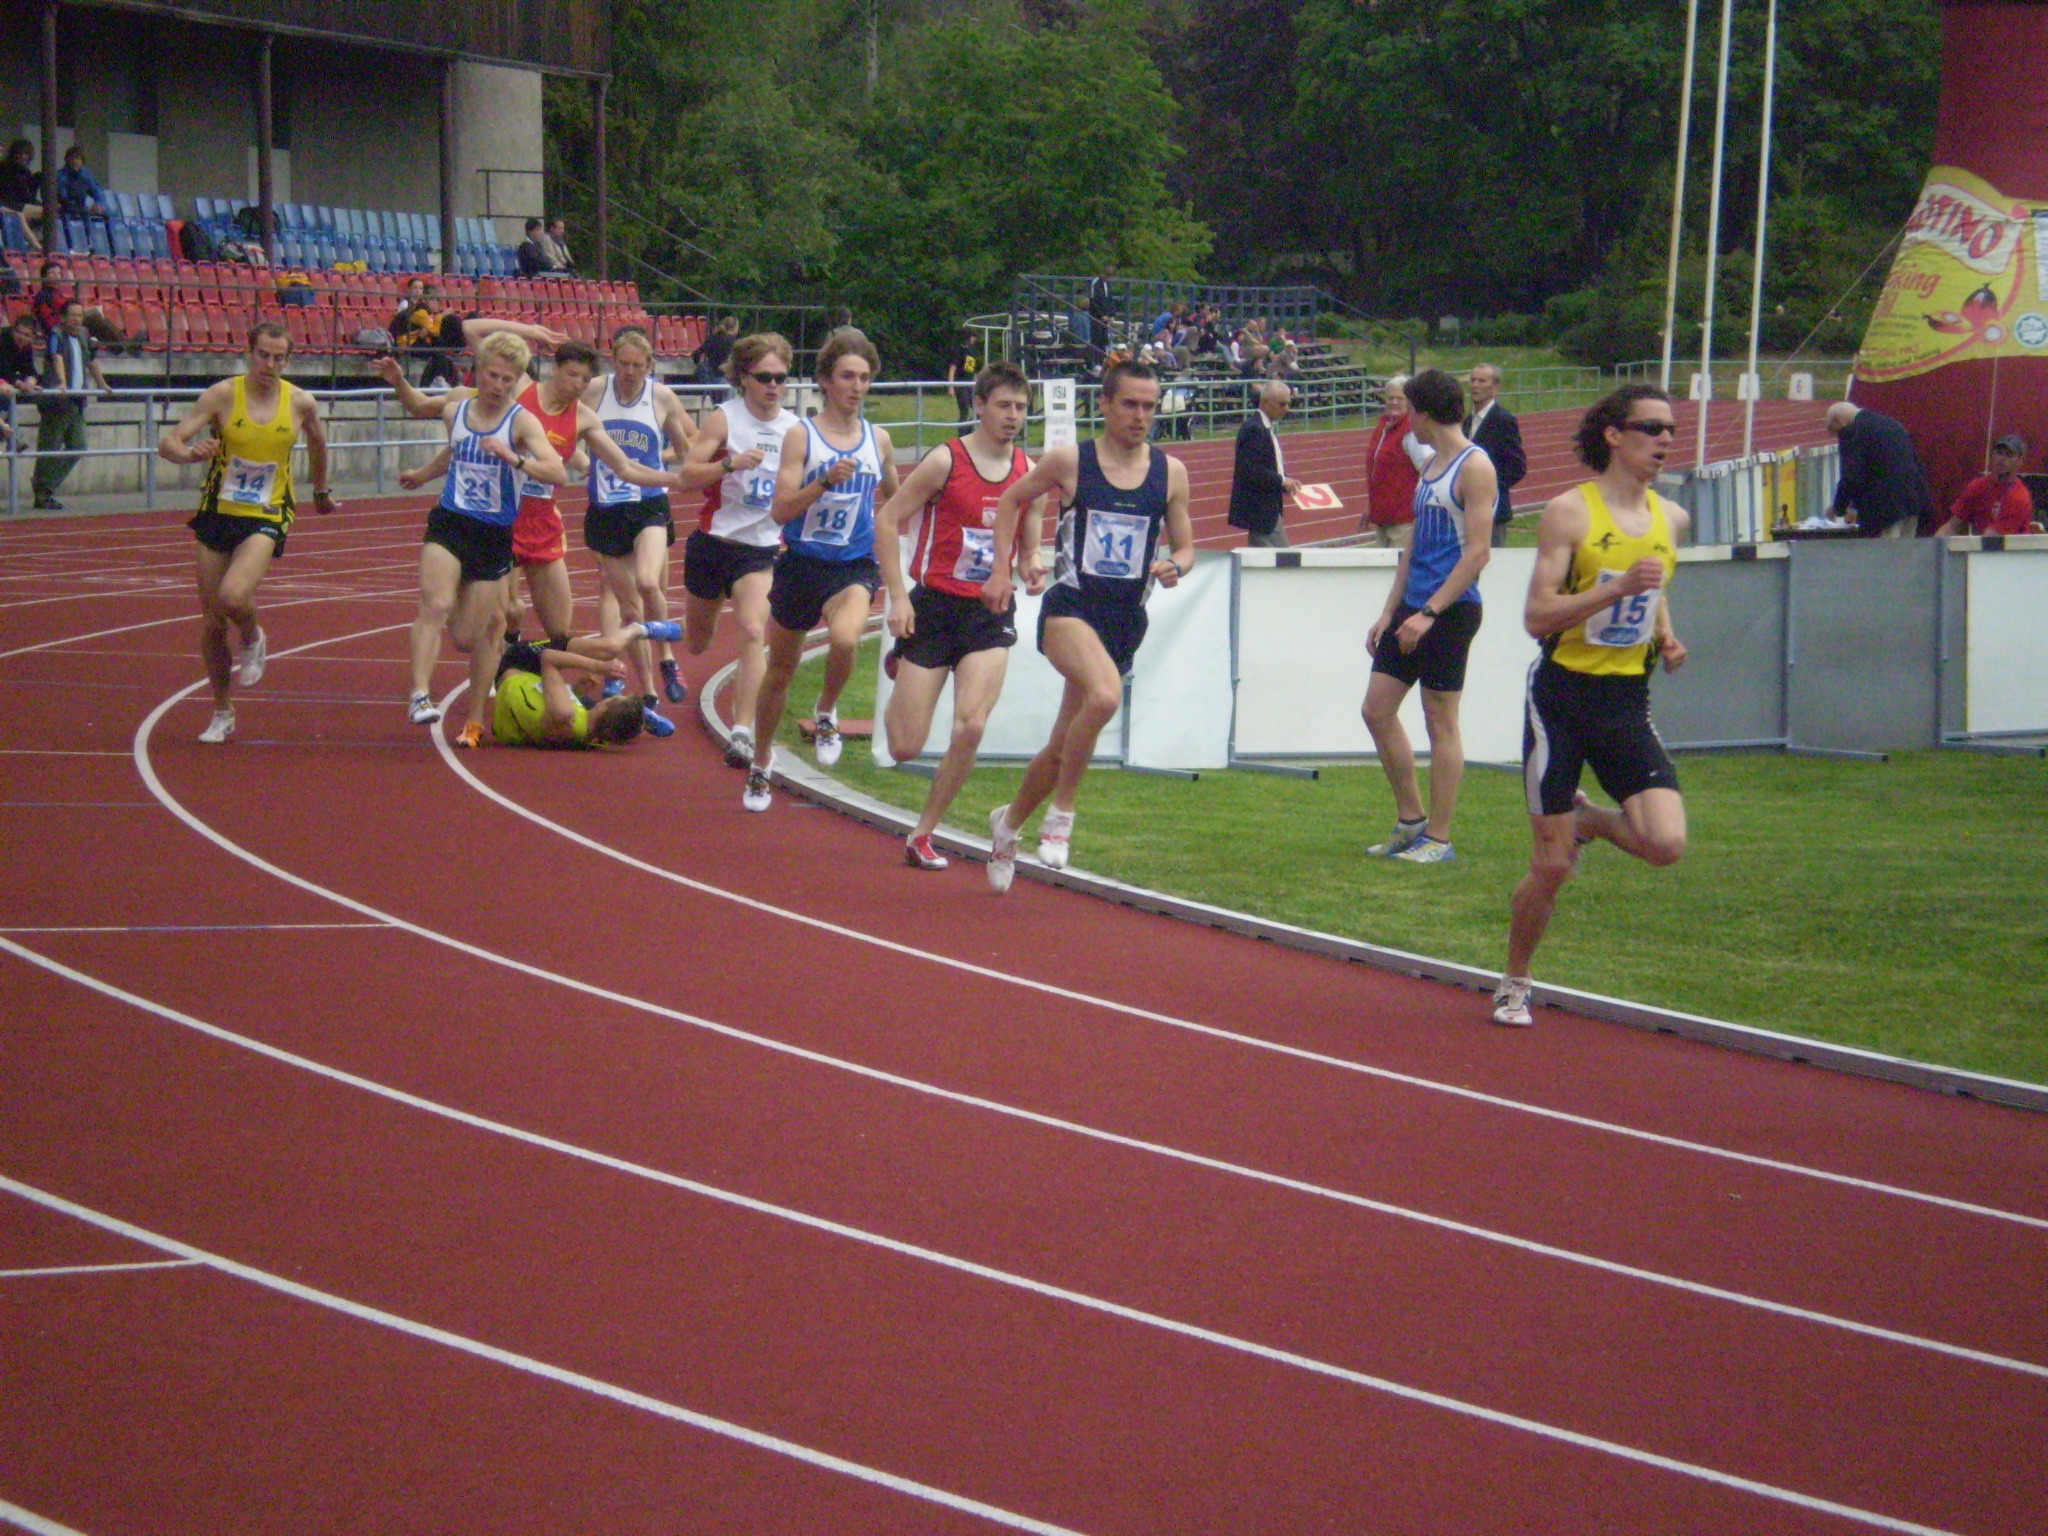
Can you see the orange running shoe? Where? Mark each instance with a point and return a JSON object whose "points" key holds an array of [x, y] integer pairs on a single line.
{"points": [[472, 736]]}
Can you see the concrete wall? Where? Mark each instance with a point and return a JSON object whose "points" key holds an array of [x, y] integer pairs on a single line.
{"points": [[363, 127]]}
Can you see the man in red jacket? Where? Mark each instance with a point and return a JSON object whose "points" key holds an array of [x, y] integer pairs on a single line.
{"points": [[1998, 502]]}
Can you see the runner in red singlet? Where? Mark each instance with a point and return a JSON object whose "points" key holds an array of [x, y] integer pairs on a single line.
{"points": [[941, 626]]}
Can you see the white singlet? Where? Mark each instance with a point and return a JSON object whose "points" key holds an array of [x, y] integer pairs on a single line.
{"points": [[736, 507]]}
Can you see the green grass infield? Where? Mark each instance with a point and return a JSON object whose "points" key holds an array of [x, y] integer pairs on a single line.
{"points": [[1899, 906]]}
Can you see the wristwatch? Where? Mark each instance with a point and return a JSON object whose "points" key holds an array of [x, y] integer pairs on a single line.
{"points": [[726, 463], [1428, 612]]}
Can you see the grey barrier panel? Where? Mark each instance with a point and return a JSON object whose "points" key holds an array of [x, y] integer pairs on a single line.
{"points": [[1952, 681], [1731, 690], [1862, 649]]}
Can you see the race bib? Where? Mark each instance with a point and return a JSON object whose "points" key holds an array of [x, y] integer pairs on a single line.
{"points": [[538, 490], [1630, 621], [1115, 549], [610, 489], [832, 518], [476, 487], [248, 484], [977, 560], [757, 489]]}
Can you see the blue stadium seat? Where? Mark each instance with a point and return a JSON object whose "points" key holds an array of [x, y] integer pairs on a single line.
{"points": [[202, 209], [166, 210], [13, 233], [160, 241], [121, 205], [99, 237], [122, 238]]}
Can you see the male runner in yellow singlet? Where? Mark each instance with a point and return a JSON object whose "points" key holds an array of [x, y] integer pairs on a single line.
{"points": [[1605, 555], [246, 503]]}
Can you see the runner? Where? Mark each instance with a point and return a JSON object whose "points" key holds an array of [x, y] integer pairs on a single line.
{"points": [[940, 626], [1117, 495], [825, 494], [1431, 616], [1605, 555], [539, 546], [537, 708], [731, 553], [246, 503], [630, 531], [492, 442]]}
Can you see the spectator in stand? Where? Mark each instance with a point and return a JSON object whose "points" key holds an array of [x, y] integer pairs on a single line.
{"points": [[1494, 428], [1883, 489], [48, 301], [1394, 459], [1253, 352], [1259, 482], [558, 248], [20, 369], [717, 347], [1996, 502], [78, 194], [1208, 331], [961, 366], [21, 189], [439, 333], [1101, 305], [72, 377], [533, 255], [412, 314]]}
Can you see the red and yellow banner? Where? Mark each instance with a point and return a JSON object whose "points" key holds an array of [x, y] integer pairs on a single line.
{"points": [[1970, 281]]}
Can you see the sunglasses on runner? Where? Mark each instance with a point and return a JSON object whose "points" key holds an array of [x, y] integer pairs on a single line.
{"points": [[769, 379], [1651, 428]]}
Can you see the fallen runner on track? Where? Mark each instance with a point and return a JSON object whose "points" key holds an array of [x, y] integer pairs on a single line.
{"points": [[536, 707]]}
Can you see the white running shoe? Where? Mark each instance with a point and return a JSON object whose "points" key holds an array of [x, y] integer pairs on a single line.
{"points": [[1511, 1002], [1054, 834], [825, 737], [254, 658], [220, 728], [421, 710], [739, 749], [1002, 857], [760, 791], [1403, 838]]}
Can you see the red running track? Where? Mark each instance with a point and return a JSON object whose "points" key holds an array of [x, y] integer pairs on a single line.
{"points": [[534, 1143]]}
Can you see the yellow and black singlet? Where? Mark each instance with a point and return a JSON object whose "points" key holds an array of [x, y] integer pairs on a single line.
{"points": [[1620, 639], [251, 472]]}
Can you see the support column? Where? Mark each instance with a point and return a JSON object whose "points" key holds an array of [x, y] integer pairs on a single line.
{"points": [[448, 67], [265, 135], [51, 242], [600, 91]]}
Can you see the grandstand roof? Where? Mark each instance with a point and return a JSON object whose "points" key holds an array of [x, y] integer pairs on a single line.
{"points": [[565, 37]]}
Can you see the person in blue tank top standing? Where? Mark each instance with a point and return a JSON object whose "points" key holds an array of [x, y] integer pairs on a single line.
{"points": [[835, 470], [492, 442], [1432, 613], [1119, 496]]}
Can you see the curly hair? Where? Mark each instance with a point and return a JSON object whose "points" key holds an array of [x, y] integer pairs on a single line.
{"points": [[1436, 395], [1610, 412]]}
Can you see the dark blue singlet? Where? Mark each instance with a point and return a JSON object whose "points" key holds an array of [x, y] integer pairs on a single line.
{"points": [[1108, 537]]}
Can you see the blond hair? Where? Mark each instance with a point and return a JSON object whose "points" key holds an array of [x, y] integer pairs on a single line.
{"points": [[506, 348]]}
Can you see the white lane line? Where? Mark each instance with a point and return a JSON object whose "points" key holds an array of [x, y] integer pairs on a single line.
{"points": [[915, 1085], [182, 591], [187, 618], [935, 1257], [196, 927], [531, 1366], [29, 1520], [1167, 1152], [1210, 1031], [107, 571], [94, 1269]]}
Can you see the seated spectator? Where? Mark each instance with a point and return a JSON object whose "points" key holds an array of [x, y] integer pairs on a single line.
{"points": [[21, 357], [1997, 502], [78, 194], [412, 313], [717, 347], [533, 252], [48, 303], [555, 243], [21, 189]]}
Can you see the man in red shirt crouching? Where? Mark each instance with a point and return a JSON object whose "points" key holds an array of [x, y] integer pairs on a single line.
{"points": [[1998, 502]]}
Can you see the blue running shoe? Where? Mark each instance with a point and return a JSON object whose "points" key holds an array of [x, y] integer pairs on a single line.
{"points": [[1426, 850], [657, 725], [672, 683], [613, 687], [663, 629]]}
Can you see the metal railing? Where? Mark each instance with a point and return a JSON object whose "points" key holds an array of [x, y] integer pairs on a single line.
{"points": [[1746, 501]]}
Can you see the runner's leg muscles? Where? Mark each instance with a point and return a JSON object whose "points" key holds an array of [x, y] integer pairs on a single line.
{"points": [[750, 614], [846, 619], [440, 576], [1446, 759], [977, 683], [1550, 866], [785, 646], [1383, 697]]}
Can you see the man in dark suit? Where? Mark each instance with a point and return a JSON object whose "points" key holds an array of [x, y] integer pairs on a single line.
{"points": [[1493, 427], [1259, 479], [1883, 489]]}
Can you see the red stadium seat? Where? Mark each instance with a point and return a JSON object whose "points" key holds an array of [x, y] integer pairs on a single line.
{"points": [[181, 329], [155, 327]]}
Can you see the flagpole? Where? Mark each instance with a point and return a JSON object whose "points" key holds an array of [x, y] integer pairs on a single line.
{"points": [[1763, 214], [1692, 27], [1714, 228]]}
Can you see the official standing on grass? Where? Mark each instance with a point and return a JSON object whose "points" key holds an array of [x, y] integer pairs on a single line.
{"points": [[1259, 482], [1605, 555], [1494, 428]]}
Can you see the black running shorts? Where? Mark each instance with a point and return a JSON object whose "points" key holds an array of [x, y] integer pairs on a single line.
{"points": [[1576, 721], [1119, 626], [712, 566], [804, 587], [1438, 660], [614, 530], [224, 534], [950, 628], [483, 549]]}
